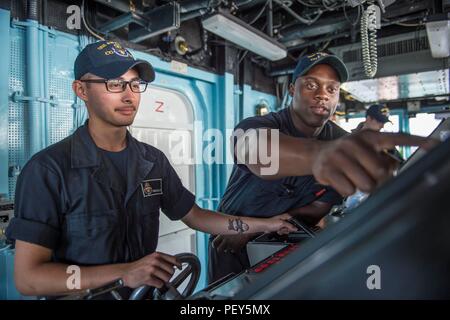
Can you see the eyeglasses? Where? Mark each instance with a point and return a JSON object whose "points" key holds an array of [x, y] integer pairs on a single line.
{"points": [[119, 85]]}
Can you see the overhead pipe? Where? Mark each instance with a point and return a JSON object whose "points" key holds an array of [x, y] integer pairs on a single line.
{"points": [[294, 33], [418, 16], [293, 13], [192, 14], [192, 9], [322, 39], [120, 5], [300, 32], [195, 5], [278, 72], [269, 13], [185, 6], [189, 9]]}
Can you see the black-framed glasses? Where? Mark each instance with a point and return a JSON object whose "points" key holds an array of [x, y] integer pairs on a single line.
{"points": [[119, 85]]}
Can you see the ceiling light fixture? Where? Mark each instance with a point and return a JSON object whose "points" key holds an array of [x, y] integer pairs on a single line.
{"points": [[238, 32]]}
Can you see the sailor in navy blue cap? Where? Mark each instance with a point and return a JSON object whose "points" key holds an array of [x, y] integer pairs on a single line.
{"points": [[319, 162], [315, 89], [305, 64], [109, 60], [377, 115], [93, 200]]}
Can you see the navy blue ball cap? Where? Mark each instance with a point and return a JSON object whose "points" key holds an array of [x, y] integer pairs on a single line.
{"points": [[307, 62], [109, 60], [379, 112]]}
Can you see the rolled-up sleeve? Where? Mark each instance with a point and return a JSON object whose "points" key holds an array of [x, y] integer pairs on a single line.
{"points": [[177, 201], [37, 206]]}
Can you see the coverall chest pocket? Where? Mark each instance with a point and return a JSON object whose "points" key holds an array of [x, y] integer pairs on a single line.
{"points": [[94, 237], [150, 204], [93, 224]]}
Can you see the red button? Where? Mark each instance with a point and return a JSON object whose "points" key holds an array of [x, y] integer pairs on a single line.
{"points": [[320, 192]]}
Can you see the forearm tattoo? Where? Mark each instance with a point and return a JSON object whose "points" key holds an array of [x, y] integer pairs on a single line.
{"points": [[237, 225]]}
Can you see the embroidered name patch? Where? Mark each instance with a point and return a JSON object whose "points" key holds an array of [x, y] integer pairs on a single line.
{"points": [[152, 187]]}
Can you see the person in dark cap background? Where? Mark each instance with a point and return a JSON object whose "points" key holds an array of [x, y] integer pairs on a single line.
{"points": [[377, 115], [93, 199], [319, 162]]}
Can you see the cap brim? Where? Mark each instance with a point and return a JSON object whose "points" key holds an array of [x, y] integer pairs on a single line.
{"points": [[380, 119], [145, 70], [118, 68], [332, 61]]}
